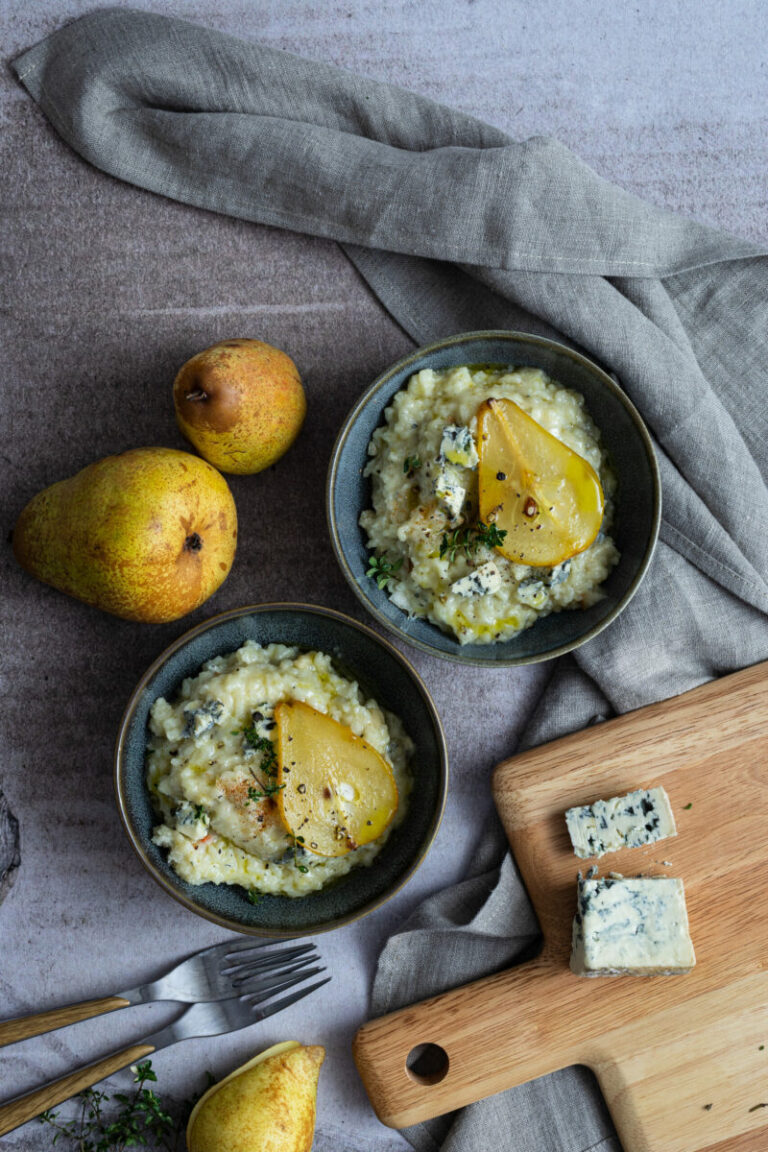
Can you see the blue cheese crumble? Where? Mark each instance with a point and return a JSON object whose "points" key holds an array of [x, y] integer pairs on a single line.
{"points": [[480, 582], [449, 491], [635, 927], [641, 817], [200, 721], [263, 726], [191, 820], [457, 452], [533, 593], [457, 446]]}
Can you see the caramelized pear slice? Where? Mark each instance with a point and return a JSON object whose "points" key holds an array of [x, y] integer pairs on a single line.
{"points": [[546, 497], [337, 792]]}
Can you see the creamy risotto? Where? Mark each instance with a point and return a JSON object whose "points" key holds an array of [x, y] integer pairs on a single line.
{"points": [[210, 768], [423, 526]]}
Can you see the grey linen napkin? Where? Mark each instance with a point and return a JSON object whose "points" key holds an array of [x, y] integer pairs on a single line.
{"points": [[456, 227]]}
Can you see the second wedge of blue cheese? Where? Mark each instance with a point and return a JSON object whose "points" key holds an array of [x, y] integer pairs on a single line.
{"points": [[631, 926], [640, 817]]}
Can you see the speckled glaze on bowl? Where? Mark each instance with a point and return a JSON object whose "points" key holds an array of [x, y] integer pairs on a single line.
{"points": [[638, 502], [383, 673]]}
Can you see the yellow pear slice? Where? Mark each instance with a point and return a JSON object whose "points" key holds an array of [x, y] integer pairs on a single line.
{"points": [[338, 793], [546, 497], [267, 1104]]}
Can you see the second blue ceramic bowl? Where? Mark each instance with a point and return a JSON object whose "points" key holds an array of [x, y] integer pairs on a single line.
{"points": [[382, 673], [638, 503]]}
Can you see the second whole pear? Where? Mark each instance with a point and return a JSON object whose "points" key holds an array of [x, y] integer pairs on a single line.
{"points": [[240, 403]]}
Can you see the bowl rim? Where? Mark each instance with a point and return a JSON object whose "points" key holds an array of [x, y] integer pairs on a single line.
{"points": [[380, 382], [260, 609]]}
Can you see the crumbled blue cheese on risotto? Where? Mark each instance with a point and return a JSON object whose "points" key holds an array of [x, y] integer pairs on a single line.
{"points": [[457, 446], [191, 820], [198, 721], [263, 724], [480, 581], [533, 593], [449, 492]]}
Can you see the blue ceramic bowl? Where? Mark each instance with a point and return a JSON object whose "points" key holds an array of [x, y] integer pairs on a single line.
{"points": [[383, 674], [638, 504]]}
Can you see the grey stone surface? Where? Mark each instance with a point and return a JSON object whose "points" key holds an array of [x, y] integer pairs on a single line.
{"points": [[106, 290]]}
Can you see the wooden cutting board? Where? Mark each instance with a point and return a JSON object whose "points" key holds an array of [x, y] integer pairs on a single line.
{"points": [[682, 1060]]}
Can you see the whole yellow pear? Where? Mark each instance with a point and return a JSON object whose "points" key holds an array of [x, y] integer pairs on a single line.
{"points": [[267, 1105], [240, 403], [148, 534]]}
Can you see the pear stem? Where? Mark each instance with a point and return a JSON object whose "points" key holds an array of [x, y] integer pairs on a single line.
{"points": [[199, 394]]}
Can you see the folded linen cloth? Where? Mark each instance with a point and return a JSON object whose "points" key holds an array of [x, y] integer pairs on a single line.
{"points": [[457, 227]]}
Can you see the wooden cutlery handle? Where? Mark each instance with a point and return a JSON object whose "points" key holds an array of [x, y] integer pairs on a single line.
{"points": [[25, 1026], [25, 1108]]}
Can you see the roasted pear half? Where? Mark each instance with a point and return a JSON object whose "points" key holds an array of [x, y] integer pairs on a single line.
{"points": [[546, 497], [337, 793]]}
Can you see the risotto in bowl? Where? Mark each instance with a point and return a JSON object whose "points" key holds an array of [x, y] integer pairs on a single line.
{"points": [[281, 770], [494, 498]]}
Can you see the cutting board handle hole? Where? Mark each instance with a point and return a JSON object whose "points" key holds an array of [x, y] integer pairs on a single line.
{"points": [[427, 1064]]}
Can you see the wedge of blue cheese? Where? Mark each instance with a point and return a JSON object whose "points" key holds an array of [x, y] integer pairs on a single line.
{"points": [[640, 817], [631, 926]]}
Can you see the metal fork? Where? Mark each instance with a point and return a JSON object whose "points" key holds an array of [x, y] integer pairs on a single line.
{"points": [[213, 974], [203, 1019]]}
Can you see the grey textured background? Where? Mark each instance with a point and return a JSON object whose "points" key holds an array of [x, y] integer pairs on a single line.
{"points": [[108, 289]]}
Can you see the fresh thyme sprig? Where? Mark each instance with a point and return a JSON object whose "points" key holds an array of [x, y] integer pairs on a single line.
{"points": [[490, 535], [141, 1121], [265, 792], [382, 569], [469, 540], [298, 844], [266, 747], [454, 542], [268, 765]]}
